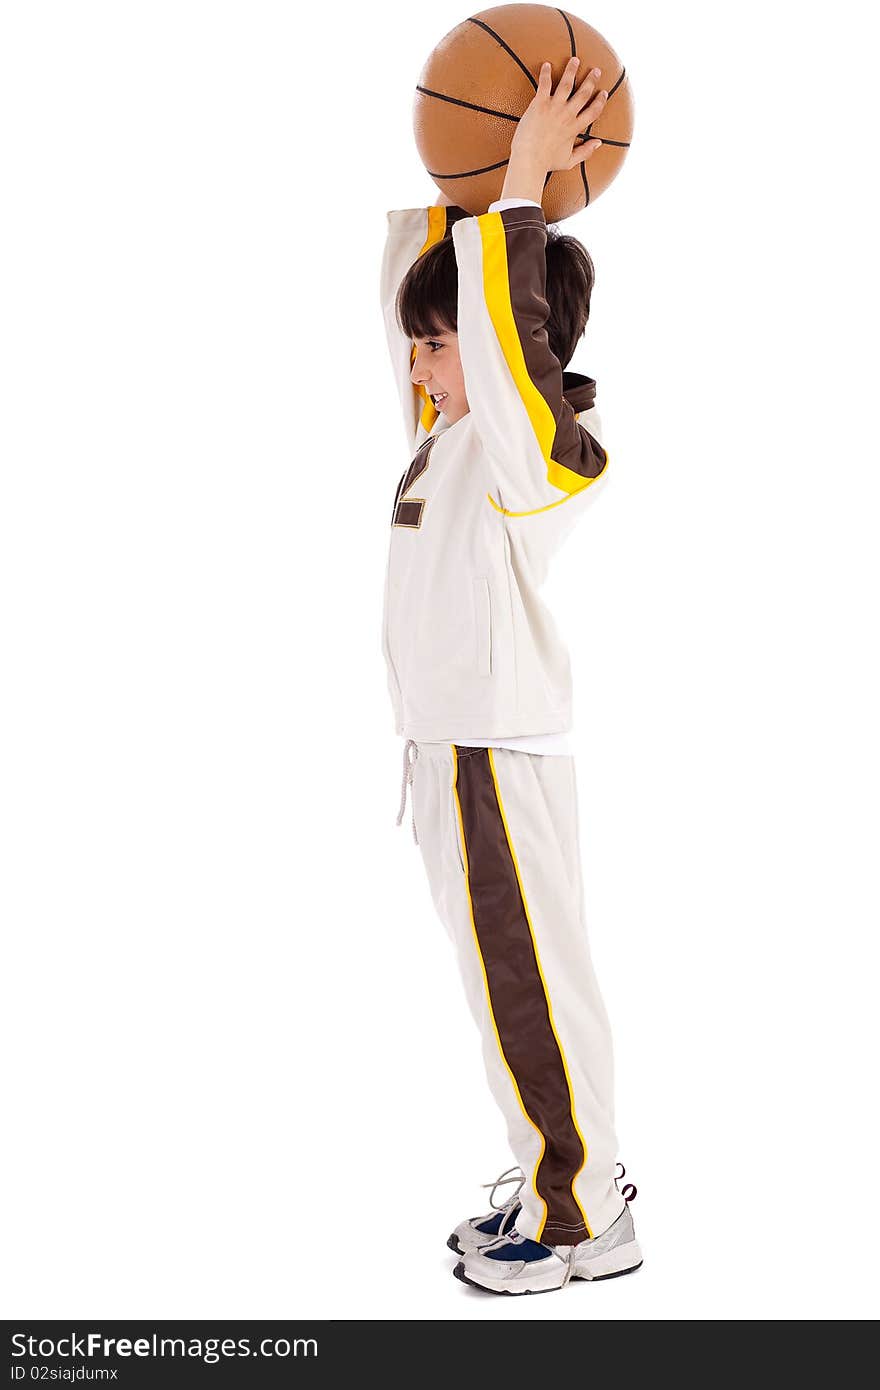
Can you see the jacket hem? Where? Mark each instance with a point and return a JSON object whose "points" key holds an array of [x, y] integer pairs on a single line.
{"points": [[548, 722]]}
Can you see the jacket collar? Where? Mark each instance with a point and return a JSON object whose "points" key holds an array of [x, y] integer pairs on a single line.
{"points": [[579, 391]]}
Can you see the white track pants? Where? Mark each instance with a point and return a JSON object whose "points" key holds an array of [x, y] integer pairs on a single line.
{"points": [[498, 831]]}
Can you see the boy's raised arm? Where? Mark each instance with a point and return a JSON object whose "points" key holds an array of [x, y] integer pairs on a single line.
{"points": [[407, 234], [539, 453], [410, 232]]}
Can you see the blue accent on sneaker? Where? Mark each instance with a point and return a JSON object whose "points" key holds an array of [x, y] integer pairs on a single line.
{"points": [[524, 1249], [492, 1226]]}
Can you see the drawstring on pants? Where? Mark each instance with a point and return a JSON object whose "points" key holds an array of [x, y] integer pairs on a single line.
{"points": [[408, 770]]}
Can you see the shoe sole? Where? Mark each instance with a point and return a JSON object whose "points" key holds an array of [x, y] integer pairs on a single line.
{"points": [[459, 1273]]}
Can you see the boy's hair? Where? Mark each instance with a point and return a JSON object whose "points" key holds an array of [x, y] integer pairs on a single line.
{"points": [[427, 300]]}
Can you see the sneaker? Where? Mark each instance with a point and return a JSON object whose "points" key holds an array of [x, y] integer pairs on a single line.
{"points": [[514, 1264], [478, 1231]]}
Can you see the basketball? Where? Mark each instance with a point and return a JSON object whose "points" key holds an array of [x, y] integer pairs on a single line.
{"points": [[476, 85]]}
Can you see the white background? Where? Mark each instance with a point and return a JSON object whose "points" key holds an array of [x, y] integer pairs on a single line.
{"points": [[241, 1078]]}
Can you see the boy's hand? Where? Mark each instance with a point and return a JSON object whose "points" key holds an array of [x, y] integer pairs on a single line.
{"points": [[544, 139]]}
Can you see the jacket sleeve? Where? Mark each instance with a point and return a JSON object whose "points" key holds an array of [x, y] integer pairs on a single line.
{"points": [[539, 455], [411, 231]]}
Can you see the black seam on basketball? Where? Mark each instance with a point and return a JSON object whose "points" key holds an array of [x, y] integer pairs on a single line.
{"points": [[618, 144], [499, 115], [472, 106], [469, 173], [574, 52], [621, 144], [505, 115], [506, 47], [612, 90]]}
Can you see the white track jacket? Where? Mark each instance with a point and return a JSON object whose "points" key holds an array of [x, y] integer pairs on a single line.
{"points": [[470, 647]]}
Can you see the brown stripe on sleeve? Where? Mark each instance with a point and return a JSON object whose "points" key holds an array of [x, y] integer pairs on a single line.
{"points": [[526, 240]]}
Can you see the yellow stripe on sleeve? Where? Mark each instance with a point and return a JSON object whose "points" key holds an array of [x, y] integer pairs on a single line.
{"points": [[496, 288], [436, 232]]}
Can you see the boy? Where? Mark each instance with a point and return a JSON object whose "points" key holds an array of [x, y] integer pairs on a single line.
{"points": [[480, 682]]}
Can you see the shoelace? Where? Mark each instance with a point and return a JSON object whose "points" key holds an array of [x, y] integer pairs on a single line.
{"points": [[519, 1178], [408, 770]]}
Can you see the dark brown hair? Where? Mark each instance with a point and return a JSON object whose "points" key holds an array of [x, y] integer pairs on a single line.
{"points": [[427, 300]]}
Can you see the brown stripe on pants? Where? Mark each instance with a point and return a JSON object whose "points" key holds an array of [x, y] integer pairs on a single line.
{"points": [[517, 996]]}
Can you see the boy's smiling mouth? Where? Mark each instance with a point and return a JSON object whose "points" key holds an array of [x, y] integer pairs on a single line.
{"points": [[439, 397]]}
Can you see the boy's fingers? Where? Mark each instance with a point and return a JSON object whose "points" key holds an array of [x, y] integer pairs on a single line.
{"points": [[586, 95], [580, 153], [567, 80]]}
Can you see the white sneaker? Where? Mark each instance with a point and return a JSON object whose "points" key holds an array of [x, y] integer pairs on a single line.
{"points": [[478, 1231], [514, 1264]]}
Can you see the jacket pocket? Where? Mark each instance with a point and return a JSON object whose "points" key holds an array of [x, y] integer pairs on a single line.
{"points": [[483, 623], [456, 836]]}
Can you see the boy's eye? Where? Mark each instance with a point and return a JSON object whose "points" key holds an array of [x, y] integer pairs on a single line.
{"points": [[432, 343]]}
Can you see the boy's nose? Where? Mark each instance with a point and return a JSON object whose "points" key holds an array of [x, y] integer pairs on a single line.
{"points": [[418, 373]]}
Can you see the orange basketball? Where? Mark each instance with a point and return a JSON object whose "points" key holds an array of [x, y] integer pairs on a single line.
{"points": [[479, 80]]}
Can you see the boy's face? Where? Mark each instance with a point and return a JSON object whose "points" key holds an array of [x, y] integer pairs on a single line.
{"points": [[437, 367]]}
